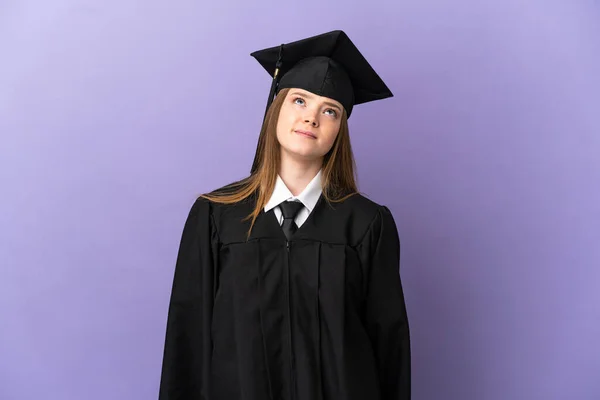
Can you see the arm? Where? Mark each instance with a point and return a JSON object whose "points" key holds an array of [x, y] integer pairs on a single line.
{"points": [[386, 317], [187, 342]]}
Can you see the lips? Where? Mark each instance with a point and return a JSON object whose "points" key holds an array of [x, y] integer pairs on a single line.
{"points": [[306, 133]]}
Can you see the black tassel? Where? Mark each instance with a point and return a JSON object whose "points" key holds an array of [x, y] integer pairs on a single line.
{"points": [[275, 82], [274, 85]]}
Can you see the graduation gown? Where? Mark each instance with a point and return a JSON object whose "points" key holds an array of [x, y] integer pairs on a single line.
{"points": [[319, 317]]}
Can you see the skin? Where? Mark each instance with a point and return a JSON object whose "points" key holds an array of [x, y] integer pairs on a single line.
{"points": [[302, 155]]}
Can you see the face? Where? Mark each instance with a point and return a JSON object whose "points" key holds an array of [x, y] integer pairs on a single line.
{"points": [[308, 125]]}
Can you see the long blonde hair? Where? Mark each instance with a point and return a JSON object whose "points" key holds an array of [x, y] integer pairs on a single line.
{"points": [[338, 170]]}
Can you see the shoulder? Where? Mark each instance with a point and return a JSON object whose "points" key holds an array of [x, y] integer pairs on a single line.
{"points": [[229, 188], [366, 216], [361, 207], [223, 211], [214, 217]]}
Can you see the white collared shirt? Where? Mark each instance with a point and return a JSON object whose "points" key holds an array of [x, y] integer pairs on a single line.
{"points": [[308, 198]]}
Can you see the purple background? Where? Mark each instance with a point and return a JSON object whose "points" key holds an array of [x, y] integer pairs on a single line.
{"points": [[114, 115]]}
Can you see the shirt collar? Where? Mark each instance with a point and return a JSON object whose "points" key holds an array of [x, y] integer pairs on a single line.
{"points": [[309, 196]]}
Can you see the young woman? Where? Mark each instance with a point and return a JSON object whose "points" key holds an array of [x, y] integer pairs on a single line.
{"points": [[286, 284]]}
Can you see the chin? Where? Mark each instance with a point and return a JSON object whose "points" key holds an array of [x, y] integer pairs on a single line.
{"points": [[303, 152]]}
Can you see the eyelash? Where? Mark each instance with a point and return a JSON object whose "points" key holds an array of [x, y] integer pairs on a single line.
{"points": [[334, 112]]}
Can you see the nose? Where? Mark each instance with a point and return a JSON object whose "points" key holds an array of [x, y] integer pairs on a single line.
{"points": [[312, 120]]}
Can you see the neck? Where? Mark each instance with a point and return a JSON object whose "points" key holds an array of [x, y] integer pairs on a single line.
{"points": [[297, 174]]}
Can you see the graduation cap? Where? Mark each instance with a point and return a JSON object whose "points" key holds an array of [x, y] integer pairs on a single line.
{"points": [[327, 65]]}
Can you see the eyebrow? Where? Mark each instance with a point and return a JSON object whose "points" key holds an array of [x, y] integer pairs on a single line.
{"points": [[310, 96]]}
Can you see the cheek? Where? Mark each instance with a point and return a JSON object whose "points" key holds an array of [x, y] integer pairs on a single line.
{"points": [[284, 123], [331, 135], [282, 128]]}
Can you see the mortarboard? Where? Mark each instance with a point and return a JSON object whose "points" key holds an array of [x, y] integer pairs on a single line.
{"points": [[327, 65]]}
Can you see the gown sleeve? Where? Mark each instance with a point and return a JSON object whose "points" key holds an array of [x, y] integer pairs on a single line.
{"points": [[187, 348], [385, 310]]}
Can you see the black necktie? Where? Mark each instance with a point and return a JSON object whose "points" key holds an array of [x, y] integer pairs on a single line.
{"points": [[289, 209]]}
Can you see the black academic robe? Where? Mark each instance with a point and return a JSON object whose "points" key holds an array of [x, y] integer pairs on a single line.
{"points": [[319, 317]]}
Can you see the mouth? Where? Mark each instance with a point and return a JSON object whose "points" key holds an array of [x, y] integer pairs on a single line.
{"points": [[306, 133]]}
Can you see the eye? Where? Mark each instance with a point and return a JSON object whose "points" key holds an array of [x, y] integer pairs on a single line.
{"points": [[334, 113]]}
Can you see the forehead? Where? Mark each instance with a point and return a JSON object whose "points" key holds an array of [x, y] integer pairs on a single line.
{"points": [[311, 95]]}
